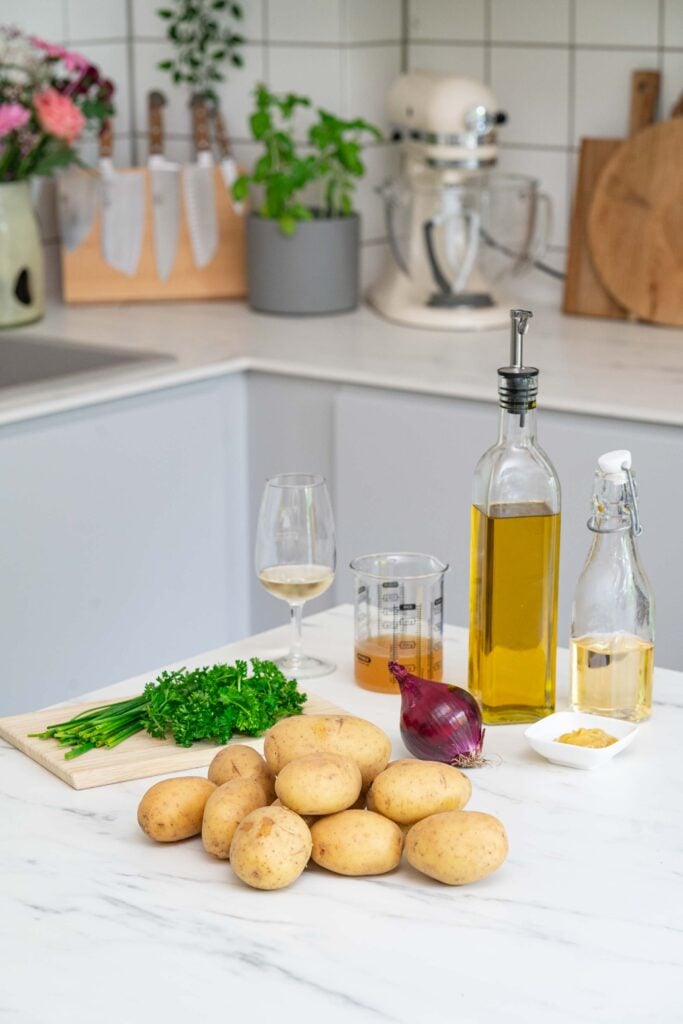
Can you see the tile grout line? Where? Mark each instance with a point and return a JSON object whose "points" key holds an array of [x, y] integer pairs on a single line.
{"points": [[265, 17], [488, 20], [132, 97]]}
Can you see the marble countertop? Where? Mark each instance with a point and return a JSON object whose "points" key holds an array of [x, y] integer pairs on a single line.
{"points": [[591, 366], [581, 924]]}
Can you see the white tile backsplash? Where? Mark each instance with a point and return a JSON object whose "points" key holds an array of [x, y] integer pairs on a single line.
{"points": [[673, 23], [533, 87], [329, 49], [376, 21], [617, 22], [368, 72], [304, 21], [603, 83], [311, 71], [449, 59], [95, 19], [528, 21], [36, 17], [447, 19]]}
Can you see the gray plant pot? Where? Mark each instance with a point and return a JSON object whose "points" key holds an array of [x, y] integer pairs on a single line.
{"points": [[314, 271]]}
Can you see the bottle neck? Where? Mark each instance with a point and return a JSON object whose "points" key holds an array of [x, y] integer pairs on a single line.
{"points": [[517, 428]]}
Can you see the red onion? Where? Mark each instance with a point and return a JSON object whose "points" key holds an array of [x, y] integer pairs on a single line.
{"points": [[439, 722]]}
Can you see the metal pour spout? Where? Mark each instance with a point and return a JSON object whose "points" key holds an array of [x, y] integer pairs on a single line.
{"points": [[519, 321]]}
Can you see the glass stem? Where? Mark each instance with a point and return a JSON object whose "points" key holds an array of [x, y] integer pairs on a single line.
{"points": [[296, 649]]}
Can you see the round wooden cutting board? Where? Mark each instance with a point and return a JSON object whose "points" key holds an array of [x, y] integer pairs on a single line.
{"points": [[635, 224]]}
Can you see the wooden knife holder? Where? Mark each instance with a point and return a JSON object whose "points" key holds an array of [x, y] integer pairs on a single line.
{"points": [[86, 277]]}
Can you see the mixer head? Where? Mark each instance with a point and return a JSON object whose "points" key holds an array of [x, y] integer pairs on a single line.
{"points": [[445, 121]]}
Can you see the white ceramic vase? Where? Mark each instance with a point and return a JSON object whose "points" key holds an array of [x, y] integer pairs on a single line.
{"points": [[22, 271]]}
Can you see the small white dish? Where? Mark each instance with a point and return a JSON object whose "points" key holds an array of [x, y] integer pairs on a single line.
{"points": [[543, 735]]}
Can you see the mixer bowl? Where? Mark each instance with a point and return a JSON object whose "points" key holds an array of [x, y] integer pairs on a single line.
{"points": [[460, 241]]}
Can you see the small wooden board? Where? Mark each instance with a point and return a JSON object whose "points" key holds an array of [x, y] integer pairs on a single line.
{"points": [[584, 292], [138, 757]]}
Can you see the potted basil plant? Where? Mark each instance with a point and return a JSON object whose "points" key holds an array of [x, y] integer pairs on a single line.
{"points": [[303, 236]]}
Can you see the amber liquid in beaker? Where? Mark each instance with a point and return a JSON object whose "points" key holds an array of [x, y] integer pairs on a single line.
{"points": [[420, 656], [513, 611]]}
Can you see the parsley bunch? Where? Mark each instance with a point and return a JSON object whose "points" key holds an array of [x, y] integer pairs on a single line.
{"points": [[202, 704]]}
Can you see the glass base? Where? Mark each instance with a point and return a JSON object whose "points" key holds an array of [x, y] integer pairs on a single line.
{"points": [[305, 667]]}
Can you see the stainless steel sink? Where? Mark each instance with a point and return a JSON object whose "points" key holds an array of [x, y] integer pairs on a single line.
{"points": [[25, 361]]}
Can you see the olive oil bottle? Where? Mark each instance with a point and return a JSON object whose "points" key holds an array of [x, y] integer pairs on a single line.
{"points": [[514, 557]]}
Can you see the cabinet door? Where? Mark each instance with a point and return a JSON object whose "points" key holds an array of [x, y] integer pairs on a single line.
{"points": [[403, 472], [124, 539]]}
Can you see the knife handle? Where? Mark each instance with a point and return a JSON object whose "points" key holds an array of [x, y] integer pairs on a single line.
{"points": [[200, 125], [644, 96], [221, 133], [106, 140], [155, 104]]}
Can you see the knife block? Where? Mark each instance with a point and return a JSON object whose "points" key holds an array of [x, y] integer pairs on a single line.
{"points": [[87, 278]]}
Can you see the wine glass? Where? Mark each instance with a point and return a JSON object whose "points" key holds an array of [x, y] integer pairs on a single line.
{"points": [[296, 555]]}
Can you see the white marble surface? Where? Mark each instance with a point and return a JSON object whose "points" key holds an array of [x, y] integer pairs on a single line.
{"points": [[582, 923], [592, 366]]}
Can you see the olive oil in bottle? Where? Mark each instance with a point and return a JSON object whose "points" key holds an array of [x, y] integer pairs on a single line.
{"points": [[514, 559]]}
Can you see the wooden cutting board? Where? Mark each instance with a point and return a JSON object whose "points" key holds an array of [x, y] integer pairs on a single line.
{"points": [[138, 757], [584, 292], [635, 224]]}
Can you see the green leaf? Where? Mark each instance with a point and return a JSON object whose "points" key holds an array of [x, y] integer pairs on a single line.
{"points": [[287, 224], [164, 12], [165, 65], [260, 124], [240, 188]]}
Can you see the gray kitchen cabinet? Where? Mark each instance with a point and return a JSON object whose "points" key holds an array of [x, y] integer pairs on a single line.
{"points": [[403, 473], [124, 539]]}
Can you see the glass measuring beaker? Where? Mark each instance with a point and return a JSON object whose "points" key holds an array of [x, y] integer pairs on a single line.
{"points": [[398, 617]]}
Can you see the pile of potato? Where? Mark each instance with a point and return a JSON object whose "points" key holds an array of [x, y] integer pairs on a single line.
{"points": [[327, 792]]}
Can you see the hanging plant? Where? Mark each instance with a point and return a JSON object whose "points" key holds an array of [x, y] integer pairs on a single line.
{"points": [[202, 33]]}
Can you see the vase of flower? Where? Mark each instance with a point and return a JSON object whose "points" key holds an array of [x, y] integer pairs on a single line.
{"points": [[48, 97], [22, 276]]}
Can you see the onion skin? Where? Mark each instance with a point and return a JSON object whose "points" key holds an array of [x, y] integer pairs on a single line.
{"points": [[439, 722]]}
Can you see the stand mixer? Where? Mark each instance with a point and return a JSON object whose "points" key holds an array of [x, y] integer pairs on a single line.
{"points": [[457, 232]]}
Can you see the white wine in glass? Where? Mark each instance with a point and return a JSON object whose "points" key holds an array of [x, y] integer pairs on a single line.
{"points": [[296, 555]]}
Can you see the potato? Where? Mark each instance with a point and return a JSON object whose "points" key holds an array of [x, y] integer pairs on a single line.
{"points": [[173, 809], [308, 818], [319, 784], [227, 806], [357, 843], [457, 847], [270, 848], [351, 737], [409, 790], [238, 761]]}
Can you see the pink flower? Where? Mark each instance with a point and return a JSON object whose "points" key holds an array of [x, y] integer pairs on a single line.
{"points": [[12, 115], [58, 115], [49, 48], [75, 61]]}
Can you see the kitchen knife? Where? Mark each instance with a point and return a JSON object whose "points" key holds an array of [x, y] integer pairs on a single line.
{"points": [[123, 210], [165, 181], [79, 195], [228, 163], [198, 193]]}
